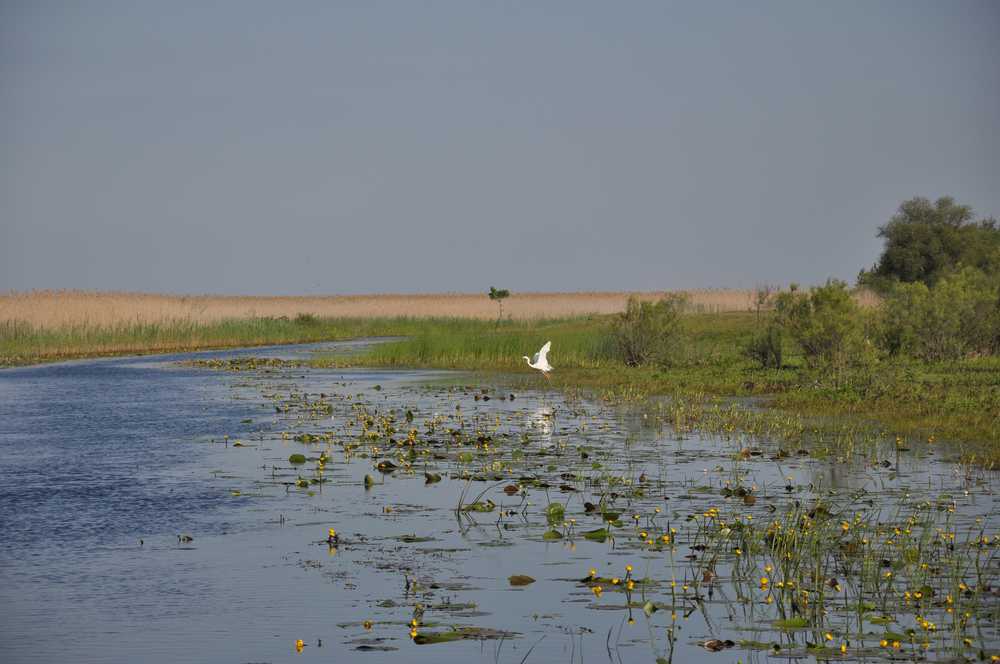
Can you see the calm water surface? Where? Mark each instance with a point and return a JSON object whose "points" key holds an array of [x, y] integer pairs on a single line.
{"points": [[105, 462]]}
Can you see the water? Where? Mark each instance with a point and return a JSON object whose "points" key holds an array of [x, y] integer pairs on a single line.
{"points": [[104, 463]]}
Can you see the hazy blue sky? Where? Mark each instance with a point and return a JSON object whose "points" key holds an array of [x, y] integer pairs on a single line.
{"points": [[305, 147]]}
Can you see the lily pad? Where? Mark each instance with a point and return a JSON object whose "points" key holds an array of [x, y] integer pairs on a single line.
{"points": [[520, 580], [789, 624], [479, 506], [596, 535]]}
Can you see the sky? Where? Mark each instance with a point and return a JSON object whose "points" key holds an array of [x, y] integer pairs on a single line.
{"points": [[356, 147]]}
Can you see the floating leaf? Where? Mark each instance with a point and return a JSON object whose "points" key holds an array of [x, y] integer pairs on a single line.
{"points": [[520, 580], [597, 535], [479, 506], [297, 458], [428, 638], [792, 623]]}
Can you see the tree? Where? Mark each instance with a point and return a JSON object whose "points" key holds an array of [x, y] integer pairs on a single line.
{"points": [[924, 241], [498, 295], [762, 296]]}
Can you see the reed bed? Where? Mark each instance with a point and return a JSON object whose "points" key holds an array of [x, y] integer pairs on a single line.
{"points": [[53, 309]]}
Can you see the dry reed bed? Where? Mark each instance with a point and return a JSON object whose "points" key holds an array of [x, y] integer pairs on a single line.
{"points": [[53, 309]]}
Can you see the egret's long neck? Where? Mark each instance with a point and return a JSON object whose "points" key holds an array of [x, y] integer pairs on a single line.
{"points": [[526, 359]]}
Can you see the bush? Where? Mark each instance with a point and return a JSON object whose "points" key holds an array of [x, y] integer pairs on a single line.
{"points": [[766, 347], [306, 319], [827, 324], [958, 315], [648, 332]]}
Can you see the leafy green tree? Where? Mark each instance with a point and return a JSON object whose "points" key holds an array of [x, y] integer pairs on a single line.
{"points": [[925, 240], [498, 295], [827, 324]]}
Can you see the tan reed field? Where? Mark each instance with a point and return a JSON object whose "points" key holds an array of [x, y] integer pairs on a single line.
{"points": [[53, 309]]}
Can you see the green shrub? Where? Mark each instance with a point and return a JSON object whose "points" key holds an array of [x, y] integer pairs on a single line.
{"points": [[649, 332], [957, 316], [766, 347], [827, 324], [306, 319]]}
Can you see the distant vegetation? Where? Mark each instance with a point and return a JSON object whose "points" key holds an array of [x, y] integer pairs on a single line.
{"points": [[922, 358]]}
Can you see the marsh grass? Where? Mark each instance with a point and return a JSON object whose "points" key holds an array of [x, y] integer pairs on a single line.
{"points": [[24, 343]]}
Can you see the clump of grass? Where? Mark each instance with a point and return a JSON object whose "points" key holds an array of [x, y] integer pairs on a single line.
{"points": [[471, 344]]}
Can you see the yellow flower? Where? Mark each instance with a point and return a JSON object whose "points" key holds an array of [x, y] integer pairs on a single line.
{"points": [[333, 533], [843, 648], [883, 643], [368, 625], [628, 568], [828, 636], [630, 585], [597, 590], [413, 633], [298, 645], [615, 581], [593, 573]]}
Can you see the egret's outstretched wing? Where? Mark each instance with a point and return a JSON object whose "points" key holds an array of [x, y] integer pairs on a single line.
{"points": [[543, 352], [534, 359]]}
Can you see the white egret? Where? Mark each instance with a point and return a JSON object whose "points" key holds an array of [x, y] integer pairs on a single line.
{"points": [[540, 361]]}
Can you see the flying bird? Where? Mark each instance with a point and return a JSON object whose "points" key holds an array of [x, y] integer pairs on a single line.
{"points": [[540, 361]]}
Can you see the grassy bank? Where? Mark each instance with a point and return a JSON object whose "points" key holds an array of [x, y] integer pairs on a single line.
{"points": [[22, 343]]}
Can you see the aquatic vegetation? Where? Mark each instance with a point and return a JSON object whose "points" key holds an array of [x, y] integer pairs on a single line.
{"points": [[812, 537]]}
